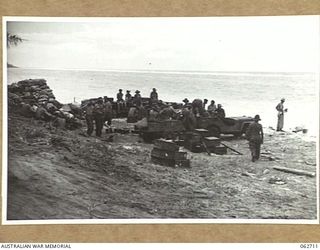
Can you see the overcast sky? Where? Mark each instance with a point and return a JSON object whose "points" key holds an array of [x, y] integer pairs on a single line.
{"points": [[209, 44]]}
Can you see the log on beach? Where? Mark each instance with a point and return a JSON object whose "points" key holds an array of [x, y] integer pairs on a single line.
{"points": [[294, 171]]}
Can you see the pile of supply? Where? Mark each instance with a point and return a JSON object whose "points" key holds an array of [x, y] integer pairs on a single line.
{"points": [[166, 152], [200, 141]]}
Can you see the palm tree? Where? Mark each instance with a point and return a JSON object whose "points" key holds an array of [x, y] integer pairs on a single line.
{"points": [[13, 40]]}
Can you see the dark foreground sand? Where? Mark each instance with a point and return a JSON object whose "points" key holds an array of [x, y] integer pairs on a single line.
{"points": [[59, 174]]}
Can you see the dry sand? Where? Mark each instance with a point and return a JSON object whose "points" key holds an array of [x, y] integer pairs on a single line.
{"points": [[59, 174]]}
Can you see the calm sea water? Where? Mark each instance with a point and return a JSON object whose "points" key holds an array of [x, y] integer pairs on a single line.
{"points": [[239, 93]]}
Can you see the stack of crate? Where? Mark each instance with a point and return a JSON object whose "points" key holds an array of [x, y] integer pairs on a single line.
{"points": [[194, 142], [166, 152]]}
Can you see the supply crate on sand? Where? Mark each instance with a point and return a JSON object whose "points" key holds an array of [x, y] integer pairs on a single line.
{"points": [[172, 163], [212, 141], [166, 152], [196, 142], [166, 145]]}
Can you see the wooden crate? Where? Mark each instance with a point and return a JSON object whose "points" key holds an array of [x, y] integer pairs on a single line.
{"points": [[192, 137], [164, 154], [170, 162], [166, 145], [212, 141]]}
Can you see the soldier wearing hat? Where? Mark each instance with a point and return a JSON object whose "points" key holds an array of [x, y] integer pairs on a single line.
{"points": [[254, 135], [120, 101], [137, 99], [281, 110], [120, 96]]}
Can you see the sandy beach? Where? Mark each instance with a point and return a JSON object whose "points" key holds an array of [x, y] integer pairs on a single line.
{"points": [[61, 174]]}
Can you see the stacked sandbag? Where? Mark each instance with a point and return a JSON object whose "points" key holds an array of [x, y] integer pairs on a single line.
{"points": [[34, 98], [33, 91]]}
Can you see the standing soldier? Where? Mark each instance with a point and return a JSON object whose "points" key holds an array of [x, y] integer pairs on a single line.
{"points": [[281, 112], [189, 121], [98, 114], [254, 135], [107, 111], [89, 117], [120, 101]]}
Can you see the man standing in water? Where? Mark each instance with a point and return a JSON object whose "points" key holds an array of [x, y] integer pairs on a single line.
{"points": [[281, 112], [254, 135]]}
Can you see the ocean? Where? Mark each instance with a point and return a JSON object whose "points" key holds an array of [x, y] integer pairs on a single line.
{"points": [[245, 93]]}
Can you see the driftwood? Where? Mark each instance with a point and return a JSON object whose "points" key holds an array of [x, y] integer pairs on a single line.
{"points": [[310, 164], [294, 171]]}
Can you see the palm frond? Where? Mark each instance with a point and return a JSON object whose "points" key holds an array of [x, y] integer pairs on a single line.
{"points": [[13, 40]]}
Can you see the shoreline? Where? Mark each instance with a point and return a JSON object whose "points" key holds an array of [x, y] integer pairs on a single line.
{"points": [[55, 173], [95, 84]]}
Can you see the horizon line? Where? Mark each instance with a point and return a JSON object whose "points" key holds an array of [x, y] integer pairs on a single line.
{"points": [[167, 70]]}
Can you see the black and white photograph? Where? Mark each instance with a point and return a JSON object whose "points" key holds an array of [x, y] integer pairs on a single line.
{"points": [[160, 120]]}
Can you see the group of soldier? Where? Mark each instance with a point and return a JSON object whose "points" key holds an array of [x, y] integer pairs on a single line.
{"points": [[129, 99], [101, 112], [200, 110], [98, 113]]}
